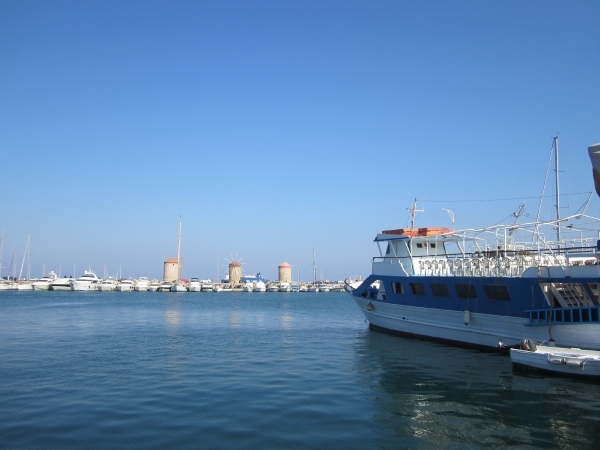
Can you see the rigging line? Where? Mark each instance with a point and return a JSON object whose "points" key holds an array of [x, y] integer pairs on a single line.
{"points": [[504, 199]]}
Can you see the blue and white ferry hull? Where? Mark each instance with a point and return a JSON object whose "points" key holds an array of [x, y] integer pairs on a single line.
{"points": [[485, 299]]}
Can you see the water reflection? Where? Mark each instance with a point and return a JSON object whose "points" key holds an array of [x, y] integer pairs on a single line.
{"points": [[436, 395], [285, 320], [172, 317], [235, 319]]}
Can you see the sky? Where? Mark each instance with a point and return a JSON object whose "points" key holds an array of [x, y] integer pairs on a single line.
{"points": [[274, 128]]}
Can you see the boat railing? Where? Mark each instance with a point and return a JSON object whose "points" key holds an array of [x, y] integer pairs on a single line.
{"points": [[561, 316], [492, 263]]}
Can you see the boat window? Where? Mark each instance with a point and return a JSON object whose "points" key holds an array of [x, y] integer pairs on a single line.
{"points": [[439, 290], [419, 245], [397, 288], [388, 249], [466, 291], [417, 288], [496, 292], [432, 245]]}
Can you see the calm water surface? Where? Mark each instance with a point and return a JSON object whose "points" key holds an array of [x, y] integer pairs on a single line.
{"points": [[260, 370]]}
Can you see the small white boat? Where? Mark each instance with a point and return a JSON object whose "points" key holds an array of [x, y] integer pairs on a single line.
{"points": [[272, 288], [109, 284], [24, 285], [180, 286], [214, 288], [303, 288], [153, 286], [207, 286], [284, 286], [125, 285], [43, 284], [248, 287], [194, 285], [165, 286], [89, 281], [313, 288], [142, 284], [566, 361], [259, 286], [61, 284], [323, 288]]}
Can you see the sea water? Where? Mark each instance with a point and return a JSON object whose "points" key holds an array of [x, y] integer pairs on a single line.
{"points": [[260, 370]]}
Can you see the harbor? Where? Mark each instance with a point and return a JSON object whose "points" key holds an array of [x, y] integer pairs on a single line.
{"points": [[149, 370]]}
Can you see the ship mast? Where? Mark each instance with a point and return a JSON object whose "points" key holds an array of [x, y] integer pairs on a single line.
{"points": [[412, 212], [557, 190], [179, 252]]}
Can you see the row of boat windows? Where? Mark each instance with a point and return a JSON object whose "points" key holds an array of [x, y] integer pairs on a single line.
{"points": [[419, 245], [493, 292]]}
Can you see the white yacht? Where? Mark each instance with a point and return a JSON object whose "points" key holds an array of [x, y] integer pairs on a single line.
{"points": [[313, 288], [248, 287], [142, 284], [284, 286], [195, 285], [272, 287], [108, 284], [260, 287], [207, 286], [43, 284], [179, 286], [165, 286], [24, 285], [125, 285], [323, 288], [89, 281], [61, 284], [154, 285]]}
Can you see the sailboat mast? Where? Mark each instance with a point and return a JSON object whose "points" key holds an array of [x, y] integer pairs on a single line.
{"points": [[1, 242], [24, 256], [557, 189], [179, 252], [314, 268]]}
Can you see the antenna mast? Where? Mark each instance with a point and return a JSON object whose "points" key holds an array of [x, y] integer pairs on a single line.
{"points": [[412, 212], [557, 189]]}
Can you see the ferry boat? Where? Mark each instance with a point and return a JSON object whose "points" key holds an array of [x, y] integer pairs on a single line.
{"points": [[446, 285], [457, 286]]}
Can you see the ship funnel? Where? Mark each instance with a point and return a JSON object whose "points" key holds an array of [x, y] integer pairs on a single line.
{"points": [[594, 152]]}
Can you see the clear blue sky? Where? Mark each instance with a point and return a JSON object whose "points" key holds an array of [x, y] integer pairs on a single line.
{"points": [[273, 127]]}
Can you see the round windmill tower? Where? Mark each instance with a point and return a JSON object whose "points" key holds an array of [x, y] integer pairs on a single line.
{"points": [[285, 272], [171, 270], [235, 272]]}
